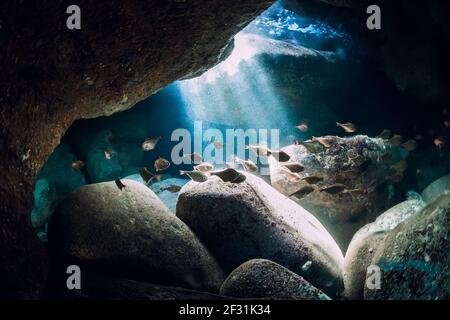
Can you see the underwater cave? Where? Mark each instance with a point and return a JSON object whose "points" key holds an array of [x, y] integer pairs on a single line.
{"points": [[268, 143]]}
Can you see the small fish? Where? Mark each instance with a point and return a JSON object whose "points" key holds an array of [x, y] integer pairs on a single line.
{"points": [[348, 127], [400, 166], [325, 141], [386, 157], [248, 165], [173, 188], [292, 176], [307, 265], [447, 124], [303, 127], [349, 174], [410, 145], [107, 154], [217, 144], [119, 184], [312, 179], [396, 177], [360, 191], [147, 176], [259, 150], [195, 175], [193, 157], [396, 140], [333, 189], [281, 156], [385, 134], [312, 146], [230, 175], [294, 167], [204, 167], [150, 143], [439, 142], [161, 164], [78, 165], [302, 192]]}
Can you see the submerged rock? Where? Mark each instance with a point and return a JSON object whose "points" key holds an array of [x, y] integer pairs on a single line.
{"points": [[436, 188], [414, 258], [355, 162], [367, 240], [133, 234], [243, 221], [259, 278], [101, 286]]}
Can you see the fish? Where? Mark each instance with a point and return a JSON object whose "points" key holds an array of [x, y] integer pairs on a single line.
{"points": [[147, 176], [396, 140], [349, 174], [386, 157], [78, 165], [107, 154], [259, 150], [230, 175], [161, 164], [312, 146], [302, 192], [385, 134], [303, 127], [292, 176], [248, 165], [348, 127], [204, 167], [195, 175], [312, 179], [324, 141], [334, 189], [217, 144], [410, 145], [150, 143], [119, 184], [281, 156], [172, 188], [439, 142], [294, 167], [396, 177], [400, 166], [193, 157], [359, 191]]}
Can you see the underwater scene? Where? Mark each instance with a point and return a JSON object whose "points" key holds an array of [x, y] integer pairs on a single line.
{"points": [[309, 162]]}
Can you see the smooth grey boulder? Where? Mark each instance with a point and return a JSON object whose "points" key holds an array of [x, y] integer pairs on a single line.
{"points": [[242, 221], [414, 258], [260, 278], [365, 243], [436, 188], [131, 233]]}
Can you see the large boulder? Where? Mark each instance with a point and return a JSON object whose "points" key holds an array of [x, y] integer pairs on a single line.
{"points": [[357, 162], [243, 221], [414, 258], [436, 188], [260, 278], [130, 232], [367, 240]]}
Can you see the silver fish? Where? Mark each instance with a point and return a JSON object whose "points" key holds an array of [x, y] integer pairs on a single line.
{"points": [[302, 192], [294, 167], [259, 150], [195, 175], [230, 175], [204, 167], [150, 143]]}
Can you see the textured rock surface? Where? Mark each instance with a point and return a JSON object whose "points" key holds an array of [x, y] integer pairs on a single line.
{"points": [[365, 243], [259, 278], [356, 163], [436, 188], [239, 222], [414, 259], [131, 233], [51, 76], [101, 286]]}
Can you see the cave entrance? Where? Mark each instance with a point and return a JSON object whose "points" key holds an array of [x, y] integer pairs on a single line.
{"points": [[290, 76]]}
